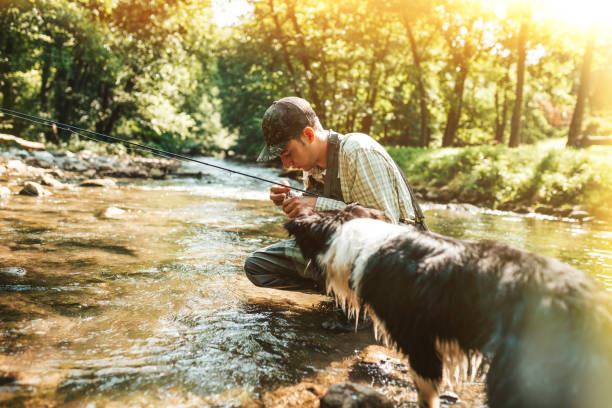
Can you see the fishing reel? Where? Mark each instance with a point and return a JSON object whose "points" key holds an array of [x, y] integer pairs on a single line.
{"points": [[290, 194]]}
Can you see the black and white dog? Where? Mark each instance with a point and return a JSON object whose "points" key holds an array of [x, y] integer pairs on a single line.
{"points": [[545, 326]]}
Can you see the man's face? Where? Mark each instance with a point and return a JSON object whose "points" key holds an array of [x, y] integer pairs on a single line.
{"points": [[298, 154]]}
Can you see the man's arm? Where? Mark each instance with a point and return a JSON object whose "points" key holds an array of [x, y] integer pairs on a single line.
{"points": [[372, 182]]}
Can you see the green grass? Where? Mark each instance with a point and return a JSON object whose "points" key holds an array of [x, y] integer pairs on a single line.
{"points": [[546, 173]]}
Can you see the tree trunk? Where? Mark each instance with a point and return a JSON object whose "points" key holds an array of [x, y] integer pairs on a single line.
{"points": [[8, 96], [119, 109], [374, 78], [44, 79], [501, 110], [454, 111], [425, 132], [515, 124], [583, 89]]}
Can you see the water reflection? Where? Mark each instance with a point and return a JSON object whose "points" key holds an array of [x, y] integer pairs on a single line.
{"points": [[152, 308]]}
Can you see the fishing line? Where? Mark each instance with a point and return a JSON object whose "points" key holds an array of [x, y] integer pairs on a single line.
{"points": [[135, 146]]}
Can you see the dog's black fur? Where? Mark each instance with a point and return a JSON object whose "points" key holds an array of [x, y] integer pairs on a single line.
{"points": [[546, 327]]}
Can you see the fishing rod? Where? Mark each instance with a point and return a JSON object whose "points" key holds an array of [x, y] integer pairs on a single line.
{"points": [[135, 146]]}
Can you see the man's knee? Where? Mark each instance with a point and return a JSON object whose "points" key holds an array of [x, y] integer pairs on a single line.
{"points": [[253, 270]]}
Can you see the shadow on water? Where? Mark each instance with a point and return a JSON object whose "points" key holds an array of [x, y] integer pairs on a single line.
{"points": [[97, 244], [258, 345]]}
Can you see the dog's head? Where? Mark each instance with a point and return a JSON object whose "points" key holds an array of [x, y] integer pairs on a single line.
{"points": [[313, 230]]}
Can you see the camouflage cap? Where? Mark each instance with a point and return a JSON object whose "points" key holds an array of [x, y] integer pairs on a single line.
{"points": [[284, 120]]}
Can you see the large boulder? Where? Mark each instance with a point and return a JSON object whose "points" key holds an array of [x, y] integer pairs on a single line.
{"points": [[351, 395]]}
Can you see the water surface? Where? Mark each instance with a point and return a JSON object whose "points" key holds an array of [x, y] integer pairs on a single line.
{"points": [[151, 307]]}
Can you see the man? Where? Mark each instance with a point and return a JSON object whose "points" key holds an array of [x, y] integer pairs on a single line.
{"points": [[341, 169]]}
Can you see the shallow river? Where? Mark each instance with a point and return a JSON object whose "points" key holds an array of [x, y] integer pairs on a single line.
{"points": [[151, 307]]}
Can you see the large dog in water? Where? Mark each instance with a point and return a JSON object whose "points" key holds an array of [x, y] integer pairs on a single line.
{"points": [[545, 326]]}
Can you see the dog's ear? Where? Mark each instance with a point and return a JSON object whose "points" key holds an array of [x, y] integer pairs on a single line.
{"points": [[358, 211], [302, 223]]}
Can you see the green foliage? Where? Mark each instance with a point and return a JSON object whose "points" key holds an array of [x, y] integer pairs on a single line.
{"points": [[139, 70], [163, 73], [497, 176]]}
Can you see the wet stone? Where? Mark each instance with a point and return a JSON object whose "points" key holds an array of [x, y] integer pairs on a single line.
{"points": [[35, 162], [156, 174], [579, 215], [112, 212], [351, 395], [33, 189], [16, 167], [523, 210], [106, 183], [13, 270], [46, 156], [48, 180]]}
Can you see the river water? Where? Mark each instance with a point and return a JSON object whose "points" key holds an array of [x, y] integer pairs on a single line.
{"points": [[150, 307]]}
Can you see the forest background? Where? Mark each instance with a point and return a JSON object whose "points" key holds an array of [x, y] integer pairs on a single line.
{"points": [[476, 99]]}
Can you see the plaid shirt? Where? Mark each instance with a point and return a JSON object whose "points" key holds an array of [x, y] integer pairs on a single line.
{"points": [[368, 176]]}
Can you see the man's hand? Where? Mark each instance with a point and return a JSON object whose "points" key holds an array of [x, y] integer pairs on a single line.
{"points": [[299, 205], [278, 194]]}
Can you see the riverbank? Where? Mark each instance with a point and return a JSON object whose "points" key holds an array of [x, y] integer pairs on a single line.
{"points": [[544, 178], [36, 171]]}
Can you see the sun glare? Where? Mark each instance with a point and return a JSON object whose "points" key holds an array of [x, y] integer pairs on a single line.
{"points": [[577, 13], [230, 12]]}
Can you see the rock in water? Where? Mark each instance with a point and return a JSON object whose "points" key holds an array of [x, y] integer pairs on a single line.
{"points": [[106, 183], [579, 215], [16, 167], [33, 189], [48, 180], [351, 395], [112, 212], [156, 174]]}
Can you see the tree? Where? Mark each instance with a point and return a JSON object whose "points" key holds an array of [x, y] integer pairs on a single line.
{"points": [[515, 124], [463, 29], [418, 12], [575, 128]]}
